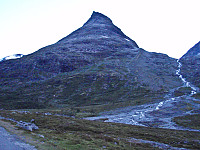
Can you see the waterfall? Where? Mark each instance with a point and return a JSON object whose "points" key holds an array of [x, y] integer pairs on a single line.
{"points": [[186, 83]]}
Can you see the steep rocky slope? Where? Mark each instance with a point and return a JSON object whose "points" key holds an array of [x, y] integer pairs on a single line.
{"points": [[95, 64], [191, 65]]}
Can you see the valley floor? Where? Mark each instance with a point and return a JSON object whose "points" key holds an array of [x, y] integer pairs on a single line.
{"points": [[57, 131]]}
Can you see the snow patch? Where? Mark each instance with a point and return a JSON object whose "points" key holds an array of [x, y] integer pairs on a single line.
{"points": [[104, 36], [15, 56]]}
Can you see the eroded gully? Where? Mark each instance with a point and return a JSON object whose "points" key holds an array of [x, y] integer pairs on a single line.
{"points": [[158, 114]]}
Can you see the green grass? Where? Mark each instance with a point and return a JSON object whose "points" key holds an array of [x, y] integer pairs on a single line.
{"points": [[197, 96], [182, 91], [69, 133], [189, 121], [75, 90], [102, 83]]}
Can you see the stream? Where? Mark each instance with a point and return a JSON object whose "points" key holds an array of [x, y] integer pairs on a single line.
{"points": [[158, 114]]}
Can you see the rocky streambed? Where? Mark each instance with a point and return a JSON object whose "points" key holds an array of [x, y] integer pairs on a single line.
{"points": [[161, 113]]}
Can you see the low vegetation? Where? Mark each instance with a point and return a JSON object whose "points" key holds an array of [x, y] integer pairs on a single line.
{"points": [[197, 96], [93, 85], [182, 91], [189, 121], [60, 132]]}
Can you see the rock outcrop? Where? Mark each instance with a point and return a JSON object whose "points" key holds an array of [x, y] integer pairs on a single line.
{"points": [[27, 125]]}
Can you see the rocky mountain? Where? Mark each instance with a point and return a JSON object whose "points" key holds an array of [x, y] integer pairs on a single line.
{"points": [[191, 65], [96, 64]]}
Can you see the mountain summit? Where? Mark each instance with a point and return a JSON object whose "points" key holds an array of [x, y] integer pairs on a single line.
{"points": [[98, 18], [99, 32], [96, 64]]}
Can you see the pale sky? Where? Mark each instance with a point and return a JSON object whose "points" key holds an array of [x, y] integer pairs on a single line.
{"points": [[167, 26]]}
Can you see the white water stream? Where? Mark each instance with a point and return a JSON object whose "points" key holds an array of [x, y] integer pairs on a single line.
{"points": [[157, 114], [186, 83]]}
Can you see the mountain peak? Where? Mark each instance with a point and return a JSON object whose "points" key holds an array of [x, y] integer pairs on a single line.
{"points": [[98, 18], [99, 15], [96, 64], [96, 29]]}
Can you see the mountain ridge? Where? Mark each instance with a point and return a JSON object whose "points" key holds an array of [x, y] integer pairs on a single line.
{"points": [[195, 50], [191, 65]]}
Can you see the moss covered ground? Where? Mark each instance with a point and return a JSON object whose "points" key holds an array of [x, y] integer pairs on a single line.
{"points": [[63, 132], [189, 121]]}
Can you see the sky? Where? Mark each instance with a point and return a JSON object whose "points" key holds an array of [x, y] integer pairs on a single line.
{"points": [[165, 26]]}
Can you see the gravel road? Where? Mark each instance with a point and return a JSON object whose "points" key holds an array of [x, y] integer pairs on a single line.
{"points": [[10, 142]]}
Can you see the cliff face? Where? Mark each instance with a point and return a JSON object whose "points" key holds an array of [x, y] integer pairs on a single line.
{"points": [[191, 65], [95, 64]]}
